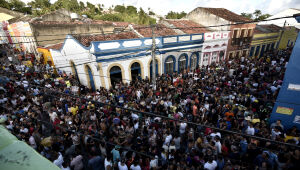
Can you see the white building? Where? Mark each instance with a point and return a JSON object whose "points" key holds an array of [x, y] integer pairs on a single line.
{"points": [[215, 42], [101, 63], [280, 22], [214, 47]]}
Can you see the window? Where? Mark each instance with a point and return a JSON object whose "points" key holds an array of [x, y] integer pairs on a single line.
{"points": [[182, 63], [169, 65], [243, 33], [257, 50], [193, 61], [250, 31], [235, 34], [215, 54], [268, 47], [251, 51], [272, 46]]}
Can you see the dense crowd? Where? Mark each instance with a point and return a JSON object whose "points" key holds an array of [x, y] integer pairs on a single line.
{"points": [[77, 128]]}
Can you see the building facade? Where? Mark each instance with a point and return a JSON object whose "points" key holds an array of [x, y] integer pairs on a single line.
{"points": [[265, 38], [214, 47], [289, 37], [241, 31], [104, 63], [215, 43]]}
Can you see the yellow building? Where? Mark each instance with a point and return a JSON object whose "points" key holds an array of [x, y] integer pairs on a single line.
{"points": [[265, 38], [45, 52], [289, 37]]}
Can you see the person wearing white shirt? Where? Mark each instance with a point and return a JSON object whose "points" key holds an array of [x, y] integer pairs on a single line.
{"points": [[52, 115], [59, 161], [107, 162], [250, 130], [23, 130], [154, 162], [210, 165], [168, 139], [122, 166], [32, 142], [213, 135], [218, 145], [182, 127], [135, 166]]}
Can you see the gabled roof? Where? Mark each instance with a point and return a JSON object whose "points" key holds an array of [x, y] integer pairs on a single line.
{"points": [[187, 26], [55, 46], [160, 30], [87, 39], [266, 28], [225, 14]]}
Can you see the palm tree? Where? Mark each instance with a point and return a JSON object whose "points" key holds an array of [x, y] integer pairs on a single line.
{"points": [[257, 13]]}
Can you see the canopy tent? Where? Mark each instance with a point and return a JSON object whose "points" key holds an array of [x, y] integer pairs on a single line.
{"points": [[287, 106], [17, 155]]}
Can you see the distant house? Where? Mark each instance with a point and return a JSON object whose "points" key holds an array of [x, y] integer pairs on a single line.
{"points": [[265, 38], [241, 32], [215, 43]]}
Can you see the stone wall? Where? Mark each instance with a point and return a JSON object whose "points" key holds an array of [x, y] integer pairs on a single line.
{"points": [[205, 18], [47, 34]]}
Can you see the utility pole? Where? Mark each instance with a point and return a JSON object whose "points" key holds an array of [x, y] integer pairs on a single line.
{"points": [[281, 33], [153, 59]]}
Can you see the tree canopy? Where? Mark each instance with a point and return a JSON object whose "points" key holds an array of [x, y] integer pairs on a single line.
{"points": [[256, 15], [115, 13], [175, 15]]}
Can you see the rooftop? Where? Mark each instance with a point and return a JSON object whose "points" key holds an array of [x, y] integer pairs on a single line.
{"points": [[186, 26], [266, 28], [69, 23], [160, 30], [55, 46], [87, 39], [226, 14]]}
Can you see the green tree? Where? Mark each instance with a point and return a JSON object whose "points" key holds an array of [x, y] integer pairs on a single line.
{"points": [[120, 8], [110, 17], [142, 17], [131, 10], [71, 5], [175, 15], [4, 4], [247, 15], [151, 13], [257, 13], [81, 5], [263, 17]]}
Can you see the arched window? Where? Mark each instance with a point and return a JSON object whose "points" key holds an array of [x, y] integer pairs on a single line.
{"points": [[193, 61], [169, 65], [182, 63], [135, 70], [115, 75]]}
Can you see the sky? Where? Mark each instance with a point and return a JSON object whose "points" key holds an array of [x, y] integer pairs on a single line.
{"points": [[162, 7]]}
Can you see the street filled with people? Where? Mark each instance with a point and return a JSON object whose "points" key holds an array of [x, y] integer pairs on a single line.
{"points": [[213, 117]]}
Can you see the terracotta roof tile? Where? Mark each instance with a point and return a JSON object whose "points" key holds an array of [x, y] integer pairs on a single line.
{"points": [[55, 46], [70, 23], [226, 14], [87, 39], [186, 26], [160, 30]]}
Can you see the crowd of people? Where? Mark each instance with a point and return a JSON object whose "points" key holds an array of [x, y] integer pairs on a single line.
{"points": [[213, 117]]}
